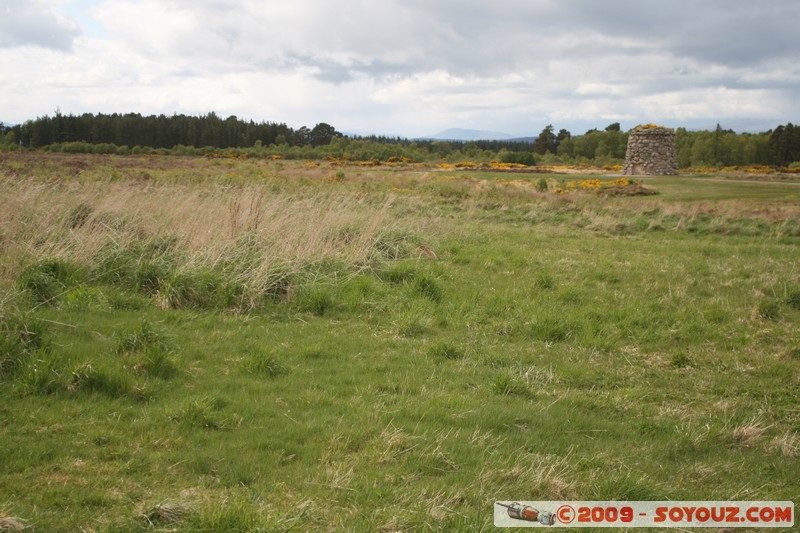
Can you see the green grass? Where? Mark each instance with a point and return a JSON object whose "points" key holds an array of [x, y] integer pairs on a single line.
{"points": [[488, 347]]}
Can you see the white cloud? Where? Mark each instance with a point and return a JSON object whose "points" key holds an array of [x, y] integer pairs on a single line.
{"points": [[35, 23], [408, 67]]}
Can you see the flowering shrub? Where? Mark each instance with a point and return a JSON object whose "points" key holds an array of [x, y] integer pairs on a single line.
{"points": [[749, 169], [504, 166], [592, 185]]}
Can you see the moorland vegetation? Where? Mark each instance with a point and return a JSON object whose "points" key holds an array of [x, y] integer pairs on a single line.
{"points": [[249, 343]]}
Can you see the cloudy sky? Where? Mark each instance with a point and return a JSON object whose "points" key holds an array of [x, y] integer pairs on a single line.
{"points": [[408, 67]]}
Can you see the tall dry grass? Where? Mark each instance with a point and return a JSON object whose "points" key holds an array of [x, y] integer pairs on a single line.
{"points": [[250, 232]]}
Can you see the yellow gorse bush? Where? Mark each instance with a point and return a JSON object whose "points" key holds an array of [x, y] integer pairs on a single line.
{"points": [[392, 161], [593, 185], [499, 165], [749, 169], [471, 165]]}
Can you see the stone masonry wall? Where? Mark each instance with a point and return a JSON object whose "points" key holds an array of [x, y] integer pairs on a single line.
{"points": [[651, 152]]}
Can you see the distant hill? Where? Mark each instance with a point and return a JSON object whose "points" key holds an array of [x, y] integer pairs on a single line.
{"points": [[460, 134]]}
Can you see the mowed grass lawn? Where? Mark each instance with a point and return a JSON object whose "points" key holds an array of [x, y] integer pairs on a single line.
{"points": [[455, 339]]}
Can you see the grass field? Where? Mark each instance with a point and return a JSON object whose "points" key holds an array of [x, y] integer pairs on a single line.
{"points": [[215, 345]]}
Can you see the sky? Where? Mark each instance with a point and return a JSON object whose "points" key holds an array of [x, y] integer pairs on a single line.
{"points": [[408, 67]]}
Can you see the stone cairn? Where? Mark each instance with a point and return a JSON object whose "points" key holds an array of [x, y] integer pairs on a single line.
{"points": [[651, 152]]}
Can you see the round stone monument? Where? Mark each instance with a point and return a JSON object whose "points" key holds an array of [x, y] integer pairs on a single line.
{"points": [[651, 152]]}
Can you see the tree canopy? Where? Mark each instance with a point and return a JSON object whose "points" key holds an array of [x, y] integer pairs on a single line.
{"points": [[182, 134]]}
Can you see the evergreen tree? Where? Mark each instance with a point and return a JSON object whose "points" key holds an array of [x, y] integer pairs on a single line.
{"points": [[322, 134], [546, 141]]}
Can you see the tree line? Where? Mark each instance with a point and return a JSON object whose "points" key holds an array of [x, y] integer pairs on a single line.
{"points": [[161, 131], [718, 148], [196, 135]]}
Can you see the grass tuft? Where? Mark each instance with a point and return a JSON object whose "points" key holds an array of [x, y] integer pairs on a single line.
{"points": [[787, 444], [769, 310], [46, 280], [551, 329], [412, 325], [155, 362], [314, 298], [543, 281], [147, 351], [144, 336], [793, 298], [507, 384], [427, 287], [113, 384], [78, 216], [233, 516], [749, 434], [167, 513], [21, 336], [395, 245], [11, 524], [446, 350], [398, 273], [264, 364], [199, 413], [627, 487], [680, 360]]}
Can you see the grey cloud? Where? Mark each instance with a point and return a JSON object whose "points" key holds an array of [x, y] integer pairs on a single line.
{"points": [[338, 72], [416, 61], [513, 33], [725, 32], [34, 24]]}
